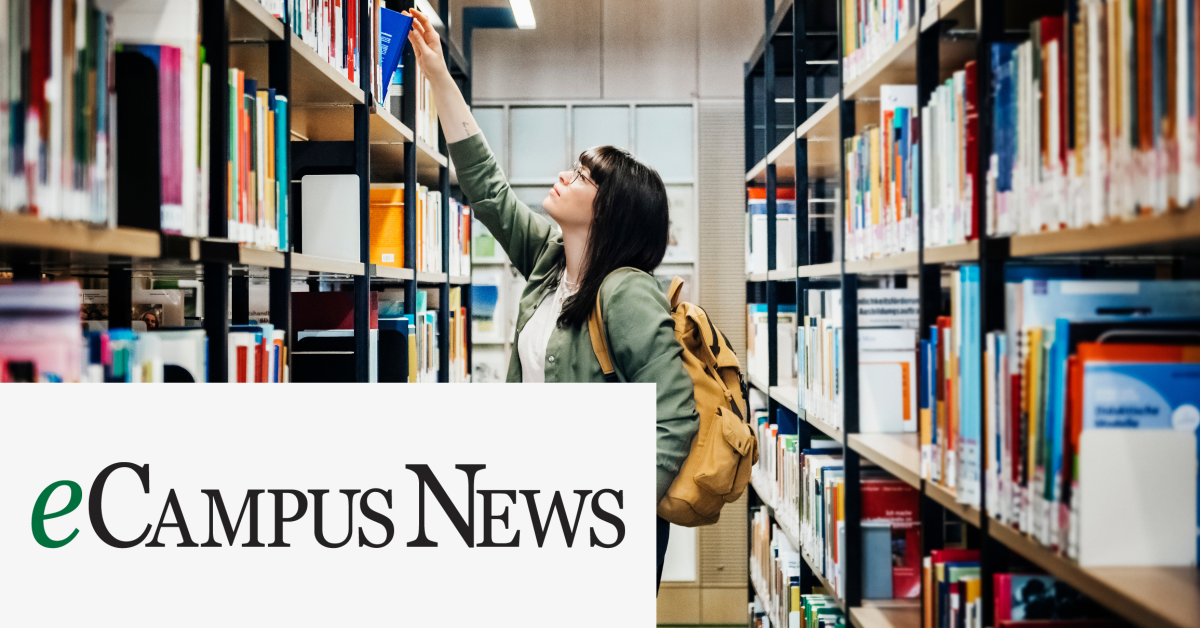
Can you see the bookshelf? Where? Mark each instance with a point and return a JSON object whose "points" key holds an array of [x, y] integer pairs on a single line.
{"points": [[334, 127], [795, 124]]}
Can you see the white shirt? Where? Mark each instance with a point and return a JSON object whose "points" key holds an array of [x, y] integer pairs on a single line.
{"points": [[535, 336]]}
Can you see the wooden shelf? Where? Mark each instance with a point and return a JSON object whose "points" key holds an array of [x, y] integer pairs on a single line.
{"points": [[887, 614], [312, 263], [828, 269], [902, 261], [822, 130], [424, 277], [25, 231], [316, 83], [254, 256], [460, 280], [824, 157], [1150, 597], [755, 383], [428, 163], [756, 277], [961, 12], [825, 428], [814, 565], [782, 274], [786, 397], [1164, 233], [250, 21], [946, 498], [391, 272], [896, 66], [952, 253], [898, 454]]}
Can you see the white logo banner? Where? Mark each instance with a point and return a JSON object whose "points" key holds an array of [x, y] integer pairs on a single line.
{"points": [[327, 505]]}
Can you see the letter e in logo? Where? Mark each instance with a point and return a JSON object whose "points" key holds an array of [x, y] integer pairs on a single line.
{"points": [[40, 516]]}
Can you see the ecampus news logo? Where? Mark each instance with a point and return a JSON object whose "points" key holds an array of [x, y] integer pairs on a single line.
{"points": [[508, 518]]}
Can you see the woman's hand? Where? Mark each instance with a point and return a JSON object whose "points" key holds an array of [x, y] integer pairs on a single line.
{"points": [[427, 47], [457, 121]]}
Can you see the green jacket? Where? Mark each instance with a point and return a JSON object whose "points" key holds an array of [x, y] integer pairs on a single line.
{"points": [[637, 317]]}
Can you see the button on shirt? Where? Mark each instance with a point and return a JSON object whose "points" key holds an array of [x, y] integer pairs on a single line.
{"points": [[534, 338]]}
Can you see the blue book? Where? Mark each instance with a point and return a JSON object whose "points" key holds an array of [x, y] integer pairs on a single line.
{"points": [[282, 174], [1004, 129], [393, 34]]}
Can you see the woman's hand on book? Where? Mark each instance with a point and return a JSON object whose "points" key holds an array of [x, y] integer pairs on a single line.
{"points": [[427, 47]]}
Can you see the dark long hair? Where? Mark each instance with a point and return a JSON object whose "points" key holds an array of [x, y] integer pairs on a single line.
{"points": [[630, 224]]}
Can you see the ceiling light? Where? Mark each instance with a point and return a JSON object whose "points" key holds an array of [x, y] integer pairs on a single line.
{"points": [[523, 13]]}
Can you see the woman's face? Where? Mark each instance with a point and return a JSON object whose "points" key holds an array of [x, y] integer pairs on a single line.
{"points": [[569, 202]]}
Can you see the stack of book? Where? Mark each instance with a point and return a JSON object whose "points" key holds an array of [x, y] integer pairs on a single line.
{"points": [[951, 589], [1096, 118], [891, 537], [951, 398], [758, 357], [756, 229], [1092, 401], [458, 338], [1021, 601], [950, 156], [887, 360], [387, 230], [777, 473], [817, 610], [822, 510], [820, 357], [40, 340], [869, 29], [258, 136], [774, 568], [427, 120], [331, 27], [56, 156], [460, 238], [882, 175], [887, 318]]}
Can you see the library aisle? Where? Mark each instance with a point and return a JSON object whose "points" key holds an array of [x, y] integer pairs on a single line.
{"points": [[971, 278]]}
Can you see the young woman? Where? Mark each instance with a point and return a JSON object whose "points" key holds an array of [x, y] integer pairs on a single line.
{"points": [[612, 212]]}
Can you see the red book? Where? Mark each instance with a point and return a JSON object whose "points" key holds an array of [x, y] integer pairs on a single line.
{"points": [[241, 364], [1052, 31], [899, 504], [972, 148], [259, 364]]}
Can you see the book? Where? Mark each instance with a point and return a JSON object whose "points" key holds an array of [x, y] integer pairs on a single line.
{"points": [[892, 502]]}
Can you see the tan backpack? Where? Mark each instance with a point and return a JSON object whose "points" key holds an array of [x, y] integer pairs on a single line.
{"points": [[717, 468]]}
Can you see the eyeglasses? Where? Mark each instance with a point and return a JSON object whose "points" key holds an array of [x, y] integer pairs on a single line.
{"points": [[578, 170]]}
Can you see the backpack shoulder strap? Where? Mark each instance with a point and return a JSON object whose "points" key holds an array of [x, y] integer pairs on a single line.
{"points": [[599, 339], [600, 342]]}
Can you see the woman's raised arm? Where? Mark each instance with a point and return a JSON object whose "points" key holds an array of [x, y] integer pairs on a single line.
{"points": [[457, 121], [523, 234]]}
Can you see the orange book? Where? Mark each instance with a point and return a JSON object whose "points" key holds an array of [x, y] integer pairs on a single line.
{"points": [[387, 225]]}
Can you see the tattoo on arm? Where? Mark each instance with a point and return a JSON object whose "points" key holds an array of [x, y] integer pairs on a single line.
{"points": [[466, 129]]}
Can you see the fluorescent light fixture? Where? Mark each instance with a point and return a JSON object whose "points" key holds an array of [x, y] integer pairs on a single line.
{"points": [[523, 13], [427, 9]]}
